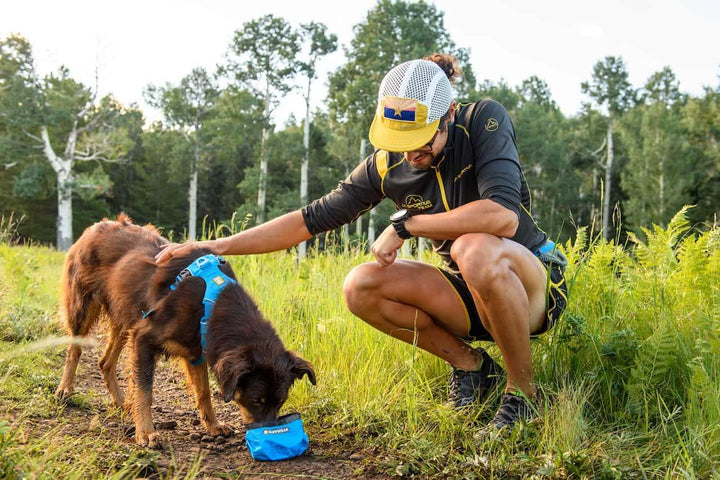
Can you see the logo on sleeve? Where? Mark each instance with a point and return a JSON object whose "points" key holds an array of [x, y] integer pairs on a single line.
{"points": [[491, 125]]}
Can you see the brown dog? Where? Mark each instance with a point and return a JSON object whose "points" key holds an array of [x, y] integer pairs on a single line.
{"points": [[111, 271]]}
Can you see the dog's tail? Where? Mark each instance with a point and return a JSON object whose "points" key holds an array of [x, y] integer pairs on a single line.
{"points": [[78, 308]]}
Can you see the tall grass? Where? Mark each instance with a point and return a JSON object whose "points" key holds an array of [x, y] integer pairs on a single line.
{"points": [[631, 372]]}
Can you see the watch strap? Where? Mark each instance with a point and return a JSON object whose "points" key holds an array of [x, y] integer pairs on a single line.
{"points": [[401, 230]]}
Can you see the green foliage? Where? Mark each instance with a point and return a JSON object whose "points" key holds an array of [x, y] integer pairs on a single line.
{"points": [[666, 148], [318, 43], [663, 87], [500, 92], [541, 131], [659, 175], [187, 104], [263, 57], [701, 116], [28, 299], [610, 86], [392, 32], [36, 181], [631, 372]]}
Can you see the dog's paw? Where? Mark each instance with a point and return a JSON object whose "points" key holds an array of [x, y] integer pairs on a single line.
{"points": [[220, 429], [63, 393], [148, 439]]}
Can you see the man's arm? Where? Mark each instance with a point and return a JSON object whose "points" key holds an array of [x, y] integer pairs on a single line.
{"points": [[278, 234], [356, 194], [480, 216]]}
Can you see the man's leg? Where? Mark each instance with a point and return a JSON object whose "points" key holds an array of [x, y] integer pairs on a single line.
{"points": [[407, 297], [508, 285]]}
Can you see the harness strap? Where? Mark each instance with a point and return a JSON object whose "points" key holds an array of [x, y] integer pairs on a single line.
{"points": [[208, 268]]}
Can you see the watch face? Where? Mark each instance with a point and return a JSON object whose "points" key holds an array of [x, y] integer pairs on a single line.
{"points": [[399, 215]]}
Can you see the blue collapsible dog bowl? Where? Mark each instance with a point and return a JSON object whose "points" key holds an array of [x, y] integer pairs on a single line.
{"points": [[278, 439]]}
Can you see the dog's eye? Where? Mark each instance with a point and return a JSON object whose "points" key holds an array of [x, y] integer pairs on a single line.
{"points": [[262, 400]]}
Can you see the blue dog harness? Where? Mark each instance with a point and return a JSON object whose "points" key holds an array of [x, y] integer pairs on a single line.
{"points": [[207, 268]]}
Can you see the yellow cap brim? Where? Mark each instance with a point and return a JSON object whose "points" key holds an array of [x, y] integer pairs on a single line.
{"points": [[384, 136]]}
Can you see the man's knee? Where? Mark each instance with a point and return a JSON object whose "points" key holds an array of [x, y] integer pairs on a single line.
{"points": [[480, 258], [361, 285]]}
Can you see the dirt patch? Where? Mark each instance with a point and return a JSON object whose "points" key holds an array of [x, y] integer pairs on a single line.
{"points": [[185, 439]]}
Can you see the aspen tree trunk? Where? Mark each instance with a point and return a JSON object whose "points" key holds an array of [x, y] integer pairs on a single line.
{"points": [[65, 215], [608, 182], [405, 249], [63, 172], [371, 228], [359, 222], [661, 217], [262, 183], [192, 192], [302, 248]]}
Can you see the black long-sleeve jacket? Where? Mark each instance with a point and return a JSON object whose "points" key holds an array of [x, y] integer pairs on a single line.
{"points": [[480, 161]]}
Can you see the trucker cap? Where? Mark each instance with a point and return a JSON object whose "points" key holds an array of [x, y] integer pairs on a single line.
{"points": [[413, 97]]}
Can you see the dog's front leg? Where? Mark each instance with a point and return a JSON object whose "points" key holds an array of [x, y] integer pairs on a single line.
{"points": [[198, 378], [143, 364]]}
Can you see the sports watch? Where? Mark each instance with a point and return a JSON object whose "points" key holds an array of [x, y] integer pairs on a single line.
{"points": [[398, 219]]}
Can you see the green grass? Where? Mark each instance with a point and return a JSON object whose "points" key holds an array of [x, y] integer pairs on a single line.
{"points": [[632, 372]]}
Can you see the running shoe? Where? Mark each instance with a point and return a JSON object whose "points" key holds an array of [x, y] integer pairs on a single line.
{"points": [[468, 387]]}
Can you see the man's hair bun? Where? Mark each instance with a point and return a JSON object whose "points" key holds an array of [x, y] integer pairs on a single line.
{"points": [[448, 63]]}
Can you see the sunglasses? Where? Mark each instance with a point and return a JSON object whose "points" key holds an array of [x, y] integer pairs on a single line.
{"points": [[432, 140]]}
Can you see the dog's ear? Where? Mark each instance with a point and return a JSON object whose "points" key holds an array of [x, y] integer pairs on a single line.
{"points": [[230, 368], [302, 367]]}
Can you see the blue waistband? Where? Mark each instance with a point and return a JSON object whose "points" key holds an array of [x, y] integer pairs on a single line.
{"points": [[548, 253], [546, 248]]}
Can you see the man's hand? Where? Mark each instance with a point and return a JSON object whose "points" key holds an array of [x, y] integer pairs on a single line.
{"points": [[386, 246], [174, 249]]}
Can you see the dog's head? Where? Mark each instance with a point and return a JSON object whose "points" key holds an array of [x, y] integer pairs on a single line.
{"points": [[259, 379], [248, 358]]}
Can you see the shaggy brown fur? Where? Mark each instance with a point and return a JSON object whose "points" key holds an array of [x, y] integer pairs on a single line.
{"points": [[110, 270]]}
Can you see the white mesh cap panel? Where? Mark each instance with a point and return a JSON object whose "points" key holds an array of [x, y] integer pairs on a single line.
{"points": [[422, 80]]}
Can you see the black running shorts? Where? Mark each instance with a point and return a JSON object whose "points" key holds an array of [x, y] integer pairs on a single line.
{"points": [[556, 302]]}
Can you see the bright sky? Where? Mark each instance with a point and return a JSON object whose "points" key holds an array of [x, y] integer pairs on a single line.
{"points": [[134, 43]]}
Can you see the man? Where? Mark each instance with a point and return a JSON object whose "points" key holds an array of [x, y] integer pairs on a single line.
{"points": [[454, 174]]}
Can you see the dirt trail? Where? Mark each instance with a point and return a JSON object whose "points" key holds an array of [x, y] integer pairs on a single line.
{"points": [[184, 438]]}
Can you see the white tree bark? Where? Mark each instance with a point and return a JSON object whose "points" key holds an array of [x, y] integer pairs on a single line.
{"points": [[302, 248], [359, 222], [608, 182], [405, 249], [371, 228], [63, 173], [262, 182], [192, 192]]}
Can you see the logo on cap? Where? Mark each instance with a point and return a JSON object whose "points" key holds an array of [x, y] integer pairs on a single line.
{"points": [[401, 109]]}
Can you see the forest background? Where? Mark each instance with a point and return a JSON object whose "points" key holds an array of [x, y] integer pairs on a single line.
{"points": [[629, 158]]}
